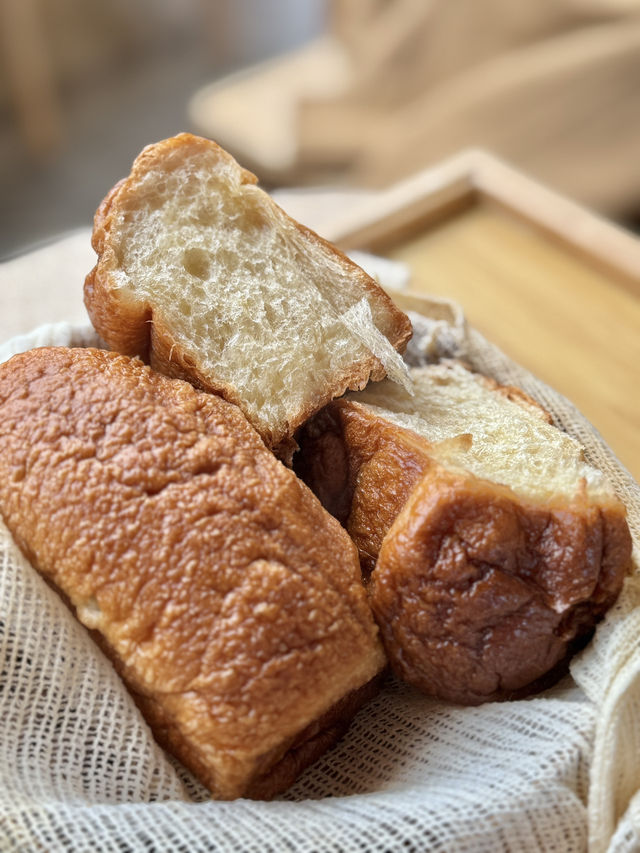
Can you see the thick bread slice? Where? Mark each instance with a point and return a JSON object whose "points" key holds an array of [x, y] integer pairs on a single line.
{"points": [[489, 544], [202, 274], [228, 599]]}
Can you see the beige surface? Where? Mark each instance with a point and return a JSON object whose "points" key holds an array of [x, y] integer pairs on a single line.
{"points": [[45, 286], [574, 326]]}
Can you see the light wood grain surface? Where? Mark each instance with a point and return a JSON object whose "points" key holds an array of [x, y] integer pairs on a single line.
{"points": [[573, 325]]}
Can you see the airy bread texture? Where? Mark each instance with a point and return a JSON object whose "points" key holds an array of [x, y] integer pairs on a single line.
{"points": [[228, 599], [202, 274], [488, 543]]}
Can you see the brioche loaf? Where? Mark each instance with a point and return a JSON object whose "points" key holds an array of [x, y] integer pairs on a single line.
{"points": [[202, 274], [228, 599], [487, 542]]}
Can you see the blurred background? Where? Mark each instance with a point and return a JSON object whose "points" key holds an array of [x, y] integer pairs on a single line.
{"points": [[307, 92]]}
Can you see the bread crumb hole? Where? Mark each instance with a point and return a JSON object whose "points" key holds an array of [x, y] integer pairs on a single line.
{"points": [[197, 263], [228, 259], [206, 216]]}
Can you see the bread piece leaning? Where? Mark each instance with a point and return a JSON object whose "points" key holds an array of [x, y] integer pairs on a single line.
{"points": [[488, 543], [228, 599], [203, 275]]}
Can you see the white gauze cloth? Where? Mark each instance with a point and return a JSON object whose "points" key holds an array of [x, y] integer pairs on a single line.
{"points": [[80, 770]]}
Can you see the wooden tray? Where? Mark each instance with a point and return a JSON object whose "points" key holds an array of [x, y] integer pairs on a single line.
{"points": [[557, 288]]}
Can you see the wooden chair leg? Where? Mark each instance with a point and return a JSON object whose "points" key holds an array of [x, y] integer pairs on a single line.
{"points": [[30, 76]]}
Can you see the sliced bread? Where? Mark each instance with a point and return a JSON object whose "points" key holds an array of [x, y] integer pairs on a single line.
{"points": [[487, 541], [203, 275]]}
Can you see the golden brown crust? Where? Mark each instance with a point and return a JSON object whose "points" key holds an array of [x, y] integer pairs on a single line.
{"points": [[134, 327], [362, 468], [278, 769], [230, 601], [477, 592], [124, 327], [311, 743], [100, 220]]}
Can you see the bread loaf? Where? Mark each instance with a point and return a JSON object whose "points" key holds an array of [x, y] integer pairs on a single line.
{"points": [[202, 274], [488, 543], [227, 598]]}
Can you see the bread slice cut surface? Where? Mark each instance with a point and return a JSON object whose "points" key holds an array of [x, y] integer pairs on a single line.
{"points": [[492, 431], [201, 272]]}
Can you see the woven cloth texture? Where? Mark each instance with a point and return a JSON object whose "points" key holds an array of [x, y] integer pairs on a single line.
{"points": [[80, 771]]}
